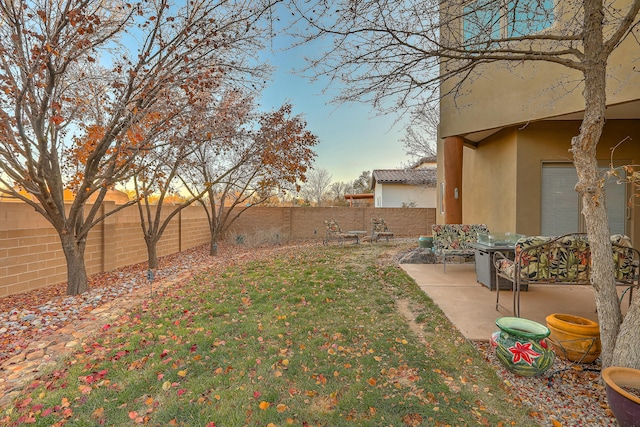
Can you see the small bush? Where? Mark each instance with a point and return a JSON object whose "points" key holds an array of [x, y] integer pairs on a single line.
{"points": [[259, 237]]}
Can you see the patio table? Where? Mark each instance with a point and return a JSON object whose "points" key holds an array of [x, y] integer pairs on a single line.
{"points": [[485, 270], [358, 233]]}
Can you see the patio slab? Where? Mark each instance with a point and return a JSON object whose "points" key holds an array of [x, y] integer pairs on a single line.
{"points": [[470, 306]]}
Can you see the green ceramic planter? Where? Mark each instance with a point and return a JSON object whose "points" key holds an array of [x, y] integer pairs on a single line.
{"points": [[521, 346], [425, 241]]}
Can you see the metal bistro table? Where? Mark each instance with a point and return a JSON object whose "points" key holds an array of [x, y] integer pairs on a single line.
{"points": [[358, 233], [485, 270]]}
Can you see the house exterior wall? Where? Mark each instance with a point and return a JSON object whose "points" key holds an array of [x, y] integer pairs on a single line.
{"points": [[514, 113], [489, 183], [531, 91], [395, 195], [508, 197], [550, 141]]}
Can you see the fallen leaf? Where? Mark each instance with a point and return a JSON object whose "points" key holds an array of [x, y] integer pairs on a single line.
{"points": [[98, 413], [85, 389]]}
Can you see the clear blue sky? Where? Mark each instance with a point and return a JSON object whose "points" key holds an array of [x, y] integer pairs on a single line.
{"points": [[352, 138]]}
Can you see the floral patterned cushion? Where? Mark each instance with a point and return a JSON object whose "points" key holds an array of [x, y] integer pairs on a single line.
{"points": [[456, 237], [564, 260], [380, 227], [623, 258], [332, 226]]}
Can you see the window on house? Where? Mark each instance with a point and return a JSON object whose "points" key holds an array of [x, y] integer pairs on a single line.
{"points": [[481, 21], [562, 207], [494, 19], [526, 17]]}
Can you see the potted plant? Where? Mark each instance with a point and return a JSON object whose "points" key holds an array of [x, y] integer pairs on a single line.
{"points": [[574, 338], [622, 386], [425, 242], [521, 346]]}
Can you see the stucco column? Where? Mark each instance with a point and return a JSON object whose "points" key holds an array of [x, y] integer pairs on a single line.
{"points": [[453, 180]]}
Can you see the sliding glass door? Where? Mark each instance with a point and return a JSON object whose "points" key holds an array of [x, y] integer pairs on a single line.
{"points": [[562, 207]]}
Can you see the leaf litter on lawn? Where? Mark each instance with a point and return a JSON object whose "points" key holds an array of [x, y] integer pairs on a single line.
{"points": [[304, 336]]}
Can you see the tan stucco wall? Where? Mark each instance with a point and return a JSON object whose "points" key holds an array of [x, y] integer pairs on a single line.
{"points": [[502, 177], [31, 256], [551, 141], [502, 94], [489, 183]]}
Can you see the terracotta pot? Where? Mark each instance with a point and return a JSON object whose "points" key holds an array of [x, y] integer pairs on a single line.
{"points": [[574, 338], [624, 405], [521, 346]]}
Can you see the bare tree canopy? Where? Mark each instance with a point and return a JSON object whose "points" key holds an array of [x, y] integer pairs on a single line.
{"points": [[317, 184], [79, 80], [260, 156], [385, 49], [414, 52], [420, 136]]}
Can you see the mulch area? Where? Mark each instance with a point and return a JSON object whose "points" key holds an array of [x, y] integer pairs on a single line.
{"points": [[33, 315], [567, 395]]}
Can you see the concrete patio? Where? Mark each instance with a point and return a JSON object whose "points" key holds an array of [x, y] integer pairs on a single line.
{"points": [[470, 306]]}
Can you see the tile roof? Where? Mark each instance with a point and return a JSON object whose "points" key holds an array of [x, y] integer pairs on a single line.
{"points": [[423, 176], [425, 160]]}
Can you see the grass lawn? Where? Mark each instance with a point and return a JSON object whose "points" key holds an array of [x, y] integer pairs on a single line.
{"points": [[316, 336]]}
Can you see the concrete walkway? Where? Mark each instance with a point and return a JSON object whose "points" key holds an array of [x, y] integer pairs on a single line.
{"points": [[470, 306]]}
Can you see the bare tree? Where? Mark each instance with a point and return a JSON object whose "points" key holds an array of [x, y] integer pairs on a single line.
{"points": [[260, 157], [72, 90], [315, 189], [420, 136], [410, 50], [156, 181], [362, 184], [338, 191]]}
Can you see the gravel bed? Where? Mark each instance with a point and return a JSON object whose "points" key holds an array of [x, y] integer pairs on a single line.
{"points": [[35, 314], [567, 395]]}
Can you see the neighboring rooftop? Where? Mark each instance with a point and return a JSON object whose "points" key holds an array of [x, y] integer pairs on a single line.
{"points": [[422, 176], [428, 161]]}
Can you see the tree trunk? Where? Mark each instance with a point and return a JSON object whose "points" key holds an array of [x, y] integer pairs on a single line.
{"points": [[589, 186], [76, 269], [627, 351], [152, 252], [213, 247]]}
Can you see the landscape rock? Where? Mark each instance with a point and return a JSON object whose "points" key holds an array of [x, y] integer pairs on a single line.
{"points": [[416, 256]]}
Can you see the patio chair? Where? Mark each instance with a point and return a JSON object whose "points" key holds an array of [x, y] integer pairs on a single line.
{"points": [[380, 229], [334, 232]]}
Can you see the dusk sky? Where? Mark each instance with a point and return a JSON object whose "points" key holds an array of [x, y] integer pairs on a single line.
{"points": [[352, 138]]}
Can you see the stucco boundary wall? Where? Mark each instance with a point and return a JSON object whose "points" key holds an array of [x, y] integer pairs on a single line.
{"points": [[31, 256]]}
